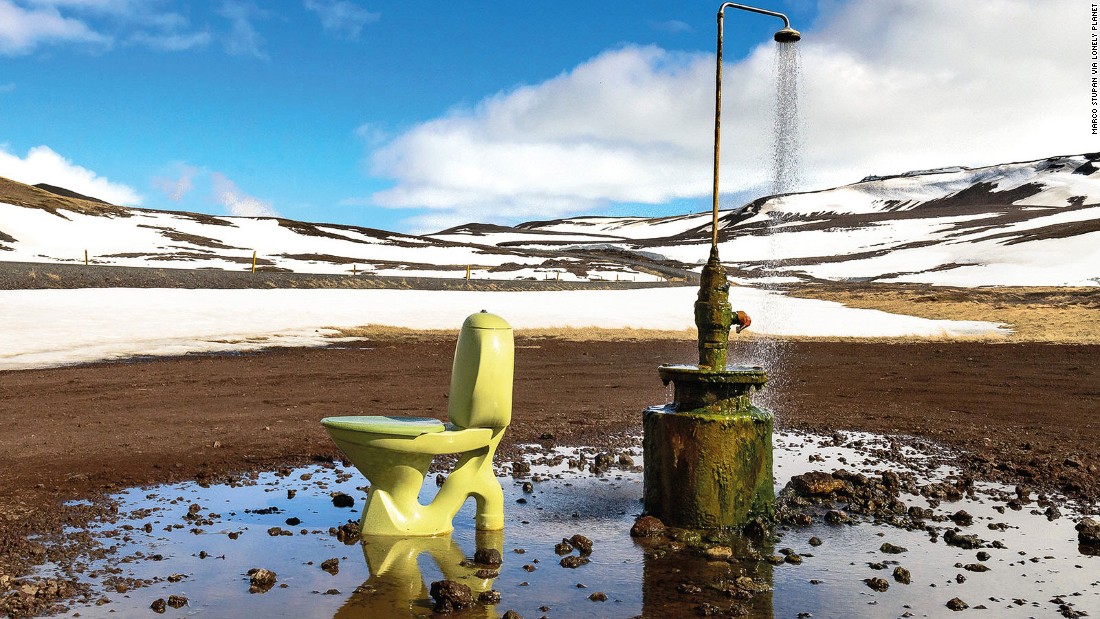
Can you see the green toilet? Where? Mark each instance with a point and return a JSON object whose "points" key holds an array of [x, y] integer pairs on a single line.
{"points": [[394, 453]]}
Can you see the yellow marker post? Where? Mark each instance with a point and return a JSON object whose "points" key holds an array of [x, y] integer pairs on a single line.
{"points": [[467, 272], [354, 271], [253, 261], [85, 257]]}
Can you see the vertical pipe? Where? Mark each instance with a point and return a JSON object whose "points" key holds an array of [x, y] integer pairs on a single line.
{"points": [[717, 129], [253, 261]]}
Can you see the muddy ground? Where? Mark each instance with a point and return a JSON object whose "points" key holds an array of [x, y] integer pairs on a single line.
{"points": [[1022, 412]]}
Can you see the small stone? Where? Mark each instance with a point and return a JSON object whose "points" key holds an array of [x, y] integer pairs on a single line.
{"points": [[647, 526], [293, 522], [834, 516], [332, 566], [902, 575], [625, 460], [440, 479], [719, 553], [519, 467], [341, 499], [581, 543], [291, 493], [487, 556], [815, 541], [261, 580], [177, 601], [878, 584], [528, 568], [511, 614], [573, 561], [816, 484], [1088, 532], [598, 596], [983, 555], [956, 604], [793, 558], [450, 596], [563, 548], [976, 567], [159, 606], [489, 597], [962, 518], [891, 549], [968, 542], [959, 578], [528, 487]]}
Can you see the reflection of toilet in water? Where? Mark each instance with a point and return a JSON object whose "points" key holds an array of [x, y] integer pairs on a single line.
{"points": [[394, 453], [396, 587]]}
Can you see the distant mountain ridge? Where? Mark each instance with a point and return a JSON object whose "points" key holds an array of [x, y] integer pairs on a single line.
{"points": [[1022, 223]]}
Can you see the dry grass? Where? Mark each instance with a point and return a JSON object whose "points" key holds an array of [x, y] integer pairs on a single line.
{"points": [[1035, 314]]}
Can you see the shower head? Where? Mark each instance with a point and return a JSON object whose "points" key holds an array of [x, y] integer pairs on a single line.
{"points": [[787, 35]]}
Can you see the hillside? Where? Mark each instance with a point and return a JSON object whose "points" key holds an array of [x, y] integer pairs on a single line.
{"points": [[1034, 223]]}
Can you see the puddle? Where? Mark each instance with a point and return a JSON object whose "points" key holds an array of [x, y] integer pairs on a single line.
{"points": [[162, 545]]}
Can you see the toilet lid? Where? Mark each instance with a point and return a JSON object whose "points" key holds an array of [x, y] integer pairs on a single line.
{"points": [[399, 426]]}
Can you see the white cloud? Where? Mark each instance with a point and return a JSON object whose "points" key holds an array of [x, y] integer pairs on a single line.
{"points": [[341, 17], [22, 30], [887, 86], [243, 38], [181, 185], [43, 165], [238, 202]]}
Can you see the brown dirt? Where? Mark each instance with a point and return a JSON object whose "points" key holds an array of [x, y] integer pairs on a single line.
{"points": [[1021, 411]]}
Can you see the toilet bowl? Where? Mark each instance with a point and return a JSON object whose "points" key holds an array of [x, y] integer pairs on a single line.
{"points": [[394, 453]]}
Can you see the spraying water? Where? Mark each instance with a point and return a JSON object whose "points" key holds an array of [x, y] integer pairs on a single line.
{"points": [[786, 177], [786, 145]]}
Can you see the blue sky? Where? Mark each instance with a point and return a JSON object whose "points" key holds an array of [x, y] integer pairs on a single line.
{"points": [[414, 117]]}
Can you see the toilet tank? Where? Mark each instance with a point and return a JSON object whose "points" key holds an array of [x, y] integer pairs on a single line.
{"points": [[481, 378]]}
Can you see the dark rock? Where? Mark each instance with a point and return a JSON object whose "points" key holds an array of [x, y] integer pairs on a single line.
{"points": [[511, 614], [450, 596], [956, 604], [177, 601], [277, 531], [581, 543], [959, 578], [348, 533], [902, 575], [647, 526], [573, 561], [528, 487], [487, 556], [159, 606], [293, 522], [834, 516], [878, 584], [492, 596], [598, 596], [563, 548], [1088, 532], [815, 541], [962, 518], [816, 484], [519, 467], [967, 542], [341, 499], [261, 580], [440, 479], [976, 567], [332, 566], [891, 549], [983, 555]]}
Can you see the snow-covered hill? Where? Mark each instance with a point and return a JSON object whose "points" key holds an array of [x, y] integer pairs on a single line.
{"points": [[1029, 223]]}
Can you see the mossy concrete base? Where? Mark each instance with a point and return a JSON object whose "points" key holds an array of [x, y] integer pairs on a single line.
{"points": [[708, 470]]}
